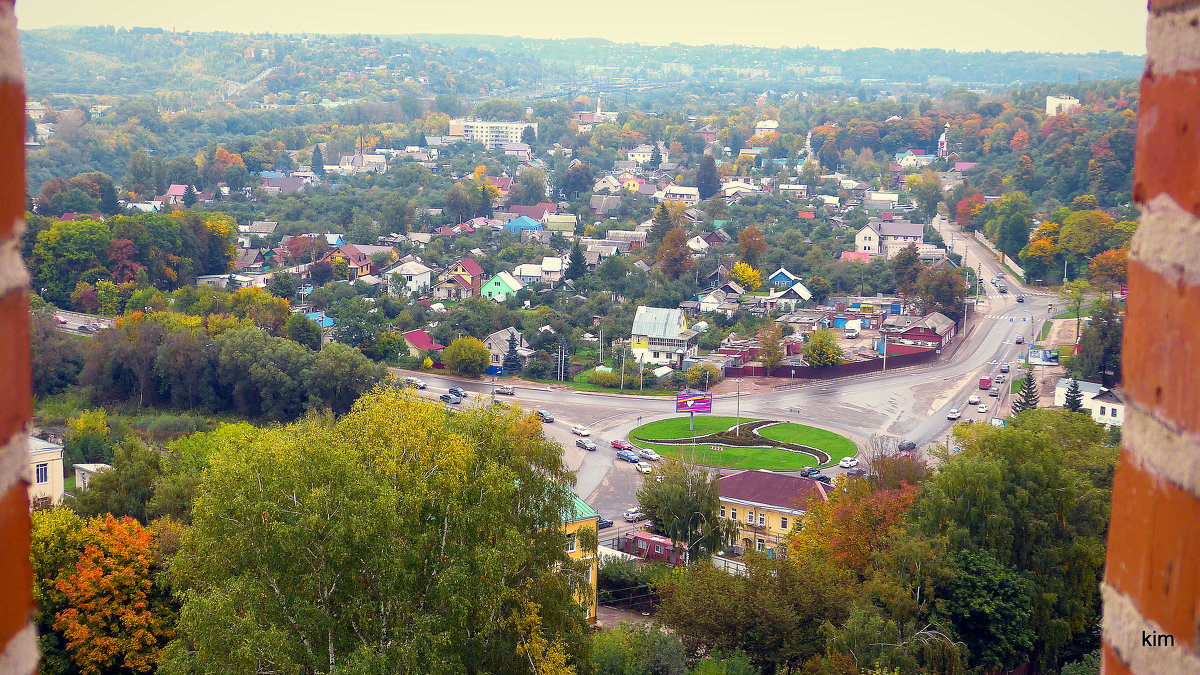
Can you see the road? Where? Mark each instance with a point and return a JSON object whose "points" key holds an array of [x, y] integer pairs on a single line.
{"points": [[80, 324]]}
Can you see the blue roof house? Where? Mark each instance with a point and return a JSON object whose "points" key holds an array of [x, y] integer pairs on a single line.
{"points": [[522, 223]]}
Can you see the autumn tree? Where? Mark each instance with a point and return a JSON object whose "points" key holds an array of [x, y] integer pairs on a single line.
{"points": [[746, 276], [752, 244], [942, 290], [852, 525], [467, 356], [674, 257], [684, 506], [906, 268], [1109, 269], [770, 345], [822, 349]]}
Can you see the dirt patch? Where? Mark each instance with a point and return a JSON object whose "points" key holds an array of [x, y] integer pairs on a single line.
{"points": [[1061, 336]]}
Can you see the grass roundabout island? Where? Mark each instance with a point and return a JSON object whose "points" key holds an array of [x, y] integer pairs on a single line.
{"points": [[760, 444]]}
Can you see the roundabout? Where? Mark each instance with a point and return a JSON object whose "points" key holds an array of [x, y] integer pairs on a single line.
{"points": [[754, 444]]}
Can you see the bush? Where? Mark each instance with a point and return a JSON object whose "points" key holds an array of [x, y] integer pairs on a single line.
{"points": [[604, 378]]}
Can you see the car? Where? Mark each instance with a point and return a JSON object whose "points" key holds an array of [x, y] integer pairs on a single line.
{"points": [[974, 400], [857, 473], [647, 453], [458, 391], [982, 408], [506, 389], [645, 468], [954, 414], [451, 398], [621, 444], [997, 422], [580, 430], [1000, 378], [1020, 298], [60, 318], [848, 462], [814, 472], [823, 478], [633, 514], [1004, 368], [85, 328], [806, 471], [629, 456], [994, 391], [545, 415], [584, 443], [415, 382], [1020, 339], [907, 446], [602, 523]]}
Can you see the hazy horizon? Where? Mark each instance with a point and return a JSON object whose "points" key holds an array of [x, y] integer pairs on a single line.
{"points": [[1099, 25]]}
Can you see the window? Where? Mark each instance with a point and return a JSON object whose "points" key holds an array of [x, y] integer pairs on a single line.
{"points": [[1102, 413], [733, 513], [760, 545], [1113, 412], [641, 544], [571, 540], [722, 511], [783, 522], [495, 358], [762, 519], [43, 473], [750, 518], [658, 549]]}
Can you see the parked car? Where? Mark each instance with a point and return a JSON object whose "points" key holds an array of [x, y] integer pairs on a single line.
{"points": [[580, 430], [907, 446], [584, 443], [982, 408], [645, 468], [994, 391], [415, 382], [974, 400], [621, 444], [458, 391], [805, 471], [545, 415], [814, 472], [848, 462], [633, 514], [602, 523], [823, 478], [647, 453], [506, 389], [629, 456], [450, 398], [954, 414], [857, 473]]}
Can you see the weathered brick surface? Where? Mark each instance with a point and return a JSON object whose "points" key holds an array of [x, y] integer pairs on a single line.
{"points": [[1171, 5], [1111, 663], [12, 157], [16, 579], [1169, 140]]}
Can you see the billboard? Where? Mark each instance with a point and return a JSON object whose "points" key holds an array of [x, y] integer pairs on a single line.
{"points": [[693, 402]]}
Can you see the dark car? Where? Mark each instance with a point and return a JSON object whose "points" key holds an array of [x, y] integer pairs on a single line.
{"points": [[823, 478], [603, 522], [451, 398], [907, 446], [586, 444], [545, 415], [629, 456], [1004, 368], [806, 471], [857, 473], [1020, 298], [458, 391]]}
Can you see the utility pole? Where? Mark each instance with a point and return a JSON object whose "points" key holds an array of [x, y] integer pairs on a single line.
{"points": [[737, 429], [884, 337], [622, 367]]}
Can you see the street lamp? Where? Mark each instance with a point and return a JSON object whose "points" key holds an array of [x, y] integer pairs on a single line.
{"points": [[737, 429]]}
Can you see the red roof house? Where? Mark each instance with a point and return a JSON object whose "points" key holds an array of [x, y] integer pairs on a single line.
{"points": [[420, 342]]}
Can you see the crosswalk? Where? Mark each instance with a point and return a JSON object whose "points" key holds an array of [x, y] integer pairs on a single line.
{"points": [[1013, 319]]}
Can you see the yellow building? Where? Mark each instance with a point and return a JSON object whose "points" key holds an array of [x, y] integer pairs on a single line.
{"points": [[766, 506], [46, 472], [583, 517]]}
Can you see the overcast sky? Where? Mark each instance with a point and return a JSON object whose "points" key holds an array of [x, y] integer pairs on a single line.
{"points": [[965, 25]]}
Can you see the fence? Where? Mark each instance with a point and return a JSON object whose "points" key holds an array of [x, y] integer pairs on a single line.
{"points": [[1004, 259], [832, 372]]}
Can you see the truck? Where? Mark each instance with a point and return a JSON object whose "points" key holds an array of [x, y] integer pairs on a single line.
{"points": [[853, 326], [985, 382]]}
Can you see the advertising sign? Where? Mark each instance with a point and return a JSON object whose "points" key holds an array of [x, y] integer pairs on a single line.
{"points": [[1042, 357], [693, 402]]}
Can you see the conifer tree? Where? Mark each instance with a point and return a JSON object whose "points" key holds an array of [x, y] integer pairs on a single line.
{"points": [[512, 359], [1027, 398], [577, 265], [1074, 401], [318, 162]]}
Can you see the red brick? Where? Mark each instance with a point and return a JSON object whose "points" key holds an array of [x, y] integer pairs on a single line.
{"points": [[1169, 140], [1154, 550], [16, 578], [16, 396], [1162, 346], [12, 155], [1169, 5]]}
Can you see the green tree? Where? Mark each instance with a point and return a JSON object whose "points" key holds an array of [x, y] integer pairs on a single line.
{"points": [[684, 506], [1074, 295], [655, 156], [283, 285], [189, 196], [906, 269], [338, 376], [988, 604], [577, 267], [467, 356], [636, 649], [512, 358], [1100, 345], [770, 345], [1074, 401], [929, 193], [124, 490], [820, 288], [708, 182], [303, 330], [1027, 398], [56, 356], [822, 349], [674, 257], [577, 180], [703, 376], [318, 162], [942, 289], [662, 223]]}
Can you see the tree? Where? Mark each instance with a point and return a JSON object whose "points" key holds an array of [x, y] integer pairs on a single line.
{"points": [[528, 136], [1074, 401], [189, 196], [449, 525], [655, 155], [577, 180], [674, 257], [662, 223], [283, 285], [303, 330], [459, 206], [703, 376], [1084, 233], [512, 358], [928, 193], [906, 268], [1074, 294], [1027, 398], [636, 648], [752, 244], [115, 617], [746, 276], [684, 506], [577, 265], [820, 288], [467, 356], [1100, 345], [56, 357], [124, 490], [708, 182], [1109, 269], [321, 273], [822, 349], [988, 603], [338, 376], [770, 345], [941, 289]]}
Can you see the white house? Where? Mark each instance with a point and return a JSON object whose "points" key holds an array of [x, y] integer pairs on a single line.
{"points": [[552, 269], [528, 273], [642, 153], [766, 127], [681, 193], [411, 277], [877, 234], [1063, 103], [661, 336], [45, 472], [1106, 406], [497, 346], [84, 473]]}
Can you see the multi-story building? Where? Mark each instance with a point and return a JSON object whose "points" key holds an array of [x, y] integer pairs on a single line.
{"points": [[661, 336], [766, 505], [46, 472], [583, 517], [491, 134], [1063, 103], [876, 236]]}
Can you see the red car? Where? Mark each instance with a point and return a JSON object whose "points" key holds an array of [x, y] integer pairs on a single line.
{"points": [[621, 445]]}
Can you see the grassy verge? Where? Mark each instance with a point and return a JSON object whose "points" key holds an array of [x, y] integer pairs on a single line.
{"points": [[586, 386], [734, 457], [677, 427], [1046, 328], [836, 445], [1072, 314]]}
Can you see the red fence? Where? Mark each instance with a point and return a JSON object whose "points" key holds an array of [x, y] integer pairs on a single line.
{"points": [[846, 369]]}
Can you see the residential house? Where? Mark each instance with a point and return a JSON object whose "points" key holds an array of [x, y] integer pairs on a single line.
{"points": [[491, 135], [552, 269], [420, 343], [719, 300], [933, 331], [602, 205], [799, 191], [284, 185], [708, 132], [876, 235], [561, 222], [409, 278], [718, 237], [521, 151], [467, 267], [1060, 104], [913, 159], [643, 153], [261, 228], [46, 472], [782, 278], [537, 212], [84, 473], [354, 163], [497, 346], [528, 273], [681, 193], [661, 336], [583, 517], [1106, 406], [697, 245], [656, 547], [248, 260], [501, 287], [522, 223], [766, 127], [607, 184], [766, 506], [636, 239], [786, 299], [454, 287]]}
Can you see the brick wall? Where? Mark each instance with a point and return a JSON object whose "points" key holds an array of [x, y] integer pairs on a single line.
{"points": [[18, 643], [1152, 576]]}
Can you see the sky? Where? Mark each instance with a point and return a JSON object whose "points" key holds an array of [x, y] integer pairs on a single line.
{"points": [[965, 25]]}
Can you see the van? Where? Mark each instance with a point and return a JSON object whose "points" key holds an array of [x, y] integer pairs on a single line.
{"points": [[851, 333]]}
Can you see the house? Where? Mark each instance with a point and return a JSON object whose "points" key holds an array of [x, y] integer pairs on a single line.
{"points": [[1060, 104], [719, 300], [552, 269], [697, 245], [522, 223], [497, 346], [560, 222], [454, 287], [603, 204], [354, 163], [46, 471], [322, 319], [681, 193], [84, 473], [491, 135], [799, 191], [285, 185], [607, 184], [653, 547], [358, 263], [248, 260], [933, 331], [528, 273], [501, 287], [856, 256], [766, 506], [910, 159], [636, 239], [261, 228], [781, 278], [467, 267], [537, 212], [786, 299], [409, 278], [643, 153], [420, 343], [1106, 406], [521, 151], [878, 234], [661, 336], [583, 517], [708, 132], [766, 127]]}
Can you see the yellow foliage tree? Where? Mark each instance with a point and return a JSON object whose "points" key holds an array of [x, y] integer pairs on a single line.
{"points": [[749, 278]]}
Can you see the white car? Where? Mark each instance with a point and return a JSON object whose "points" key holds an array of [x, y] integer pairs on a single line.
{"points": [[633, 514], [974, 400], [848, 462], [647, 453], [982, 408], [645, 467], [954, 414], [580, 430]]}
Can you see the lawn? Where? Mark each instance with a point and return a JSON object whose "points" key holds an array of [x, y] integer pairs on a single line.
{"points": [[836, 445], [677, 427], [733, 457], [1072, 314], [1046, 328]]}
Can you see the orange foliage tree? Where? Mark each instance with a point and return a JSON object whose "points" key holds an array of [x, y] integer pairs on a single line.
{"points": [[849, 527], [1110, 268], [115, 617]]}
